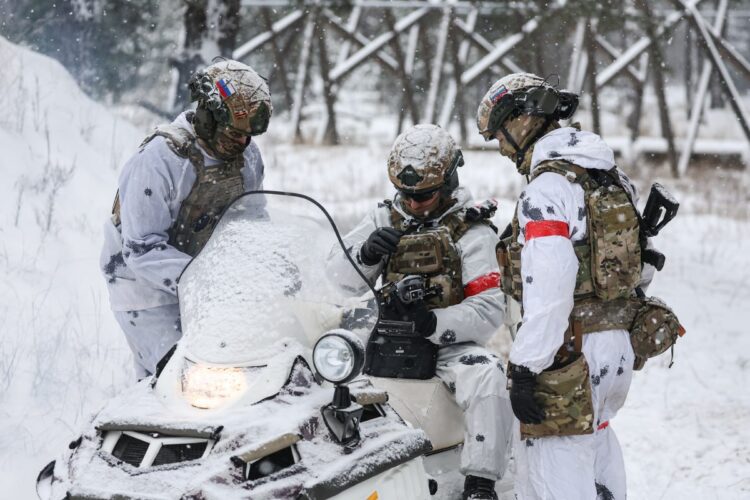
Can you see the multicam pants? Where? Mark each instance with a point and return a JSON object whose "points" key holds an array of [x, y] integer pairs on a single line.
{"points": [[588, 467]]}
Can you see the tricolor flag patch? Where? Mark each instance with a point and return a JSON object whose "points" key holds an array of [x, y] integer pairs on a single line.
{"points": [[225, 87], [498, 94]]}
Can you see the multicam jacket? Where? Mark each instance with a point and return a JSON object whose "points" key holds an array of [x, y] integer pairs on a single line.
{"points": [[139, 263], [481, 312]]}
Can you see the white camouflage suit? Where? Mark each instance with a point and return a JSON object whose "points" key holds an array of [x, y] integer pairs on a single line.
{"points": [[140, 265], [470, 371], [577, 467]]}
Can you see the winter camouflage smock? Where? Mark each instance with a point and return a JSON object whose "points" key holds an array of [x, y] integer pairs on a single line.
{"points": [[478, 316], [139, 263]]}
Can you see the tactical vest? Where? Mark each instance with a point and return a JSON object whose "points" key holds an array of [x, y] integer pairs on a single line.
{"points": [[214, 188], [430, 250], [609, 258]]}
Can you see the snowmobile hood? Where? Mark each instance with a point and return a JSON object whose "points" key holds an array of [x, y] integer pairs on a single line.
{"points": [[582, 148], [463, 201]]}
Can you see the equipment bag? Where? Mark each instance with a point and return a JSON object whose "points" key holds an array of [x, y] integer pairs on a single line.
{"points": [[396, 356], [655, 329], [565, 395]]}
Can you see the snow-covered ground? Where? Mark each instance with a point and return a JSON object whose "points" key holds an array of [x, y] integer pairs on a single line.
{"points": [[684, 430]]}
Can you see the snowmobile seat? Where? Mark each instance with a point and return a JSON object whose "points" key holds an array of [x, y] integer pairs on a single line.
{"points": [[427, 405]]}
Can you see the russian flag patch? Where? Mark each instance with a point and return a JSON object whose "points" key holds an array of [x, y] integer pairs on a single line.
{"points": [[225, 87], [498, 94]]}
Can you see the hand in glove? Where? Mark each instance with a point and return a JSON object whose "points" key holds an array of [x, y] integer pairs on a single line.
{"points": [[381, 242], [424, 320], [525, 407]]}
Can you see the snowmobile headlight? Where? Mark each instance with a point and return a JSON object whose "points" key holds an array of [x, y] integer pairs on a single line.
{"points": [[338, 356], [207, 387]]}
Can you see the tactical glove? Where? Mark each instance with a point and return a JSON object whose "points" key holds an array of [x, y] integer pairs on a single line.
{"points": [[424, 320], [522, 385], [381, 242]]}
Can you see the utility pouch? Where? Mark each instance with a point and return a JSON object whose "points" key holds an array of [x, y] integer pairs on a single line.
{"points": [[615, 247], [565, 395], [655, 329], [420, 253]]}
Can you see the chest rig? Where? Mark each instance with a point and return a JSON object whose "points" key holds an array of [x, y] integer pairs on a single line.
{"points": [[214, 188], [429, 249], [609, 258]]}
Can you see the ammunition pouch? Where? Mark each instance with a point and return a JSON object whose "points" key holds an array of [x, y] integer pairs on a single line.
{"points": [[655, 329], [395, 353], [565, 395]]}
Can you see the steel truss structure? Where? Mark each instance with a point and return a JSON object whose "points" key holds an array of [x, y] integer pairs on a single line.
{"points": [[330, 33]]}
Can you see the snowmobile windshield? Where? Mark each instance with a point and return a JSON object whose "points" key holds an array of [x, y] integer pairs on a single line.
{"points": [[261, 282]]}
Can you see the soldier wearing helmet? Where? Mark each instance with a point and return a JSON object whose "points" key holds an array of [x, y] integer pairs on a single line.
{"points": [[171, 194], [571, 256], [432, 228]]}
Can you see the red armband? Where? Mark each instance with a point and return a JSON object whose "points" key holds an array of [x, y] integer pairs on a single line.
{"points": [[541, 228], [482, 283]]}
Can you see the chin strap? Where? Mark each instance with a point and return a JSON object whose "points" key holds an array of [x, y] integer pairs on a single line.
{"points": [[521, 151]]}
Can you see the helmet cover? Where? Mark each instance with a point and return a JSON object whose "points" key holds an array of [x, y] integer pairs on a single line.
{"points": [[236, 95], [423, 158]]}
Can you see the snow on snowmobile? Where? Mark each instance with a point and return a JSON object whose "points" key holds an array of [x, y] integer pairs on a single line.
{"points": [[260, 398]]}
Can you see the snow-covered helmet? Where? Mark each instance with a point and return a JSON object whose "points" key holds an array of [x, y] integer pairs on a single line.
{"points": [[233, 102], [423, 159], [522, 94]]}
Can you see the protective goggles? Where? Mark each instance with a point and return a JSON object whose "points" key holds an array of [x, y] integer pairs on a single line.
{"points": [[419, 197]]}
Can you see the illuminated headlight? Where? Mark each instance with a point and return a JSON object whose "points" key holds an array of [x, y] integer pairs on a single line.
{"points": [[338, 356], [207, 387]]}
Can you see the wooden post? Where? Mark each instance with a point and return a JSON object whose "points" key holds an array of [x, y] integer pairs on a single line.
{"points": [[725, 79], [590, 56], [460, 55], [278, 56], [659, 86], [407, 96], [696, 110], [330, 134], [437, 66], [302, 69]]}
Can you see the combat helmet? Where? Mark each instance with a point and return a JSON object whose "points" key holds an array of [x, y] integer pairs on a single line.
{"points": [[234, 103], [523, 94], [423, 159]]}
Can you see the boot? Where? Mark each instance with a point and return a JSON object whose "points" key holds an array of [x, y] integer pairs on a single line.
{"points": [[479, 488]]}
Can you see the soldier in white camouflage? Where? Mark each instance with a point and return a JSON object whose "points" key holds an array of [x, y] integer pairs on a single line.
{"points": [[171, 194], [572, 258], [433, 228]]}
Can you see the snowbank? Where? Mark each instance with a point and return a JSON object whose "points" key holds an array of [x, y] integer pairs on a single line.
{"points": [[60, 353]]}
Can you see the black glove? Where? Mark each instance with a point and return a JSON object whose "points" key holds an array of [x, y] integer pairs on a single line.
{"points": [[424, 320], [383, 241], [525, 407]]}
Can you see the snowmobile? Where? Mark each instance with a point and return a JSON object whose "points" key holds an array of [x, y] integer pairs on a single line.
{"points": [[261, 396]]}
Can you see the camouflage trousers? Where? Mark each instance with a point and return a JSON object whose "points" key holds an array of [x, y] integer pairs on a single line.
{"points": [[150, 333], [588, 467], [476, 378]]}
